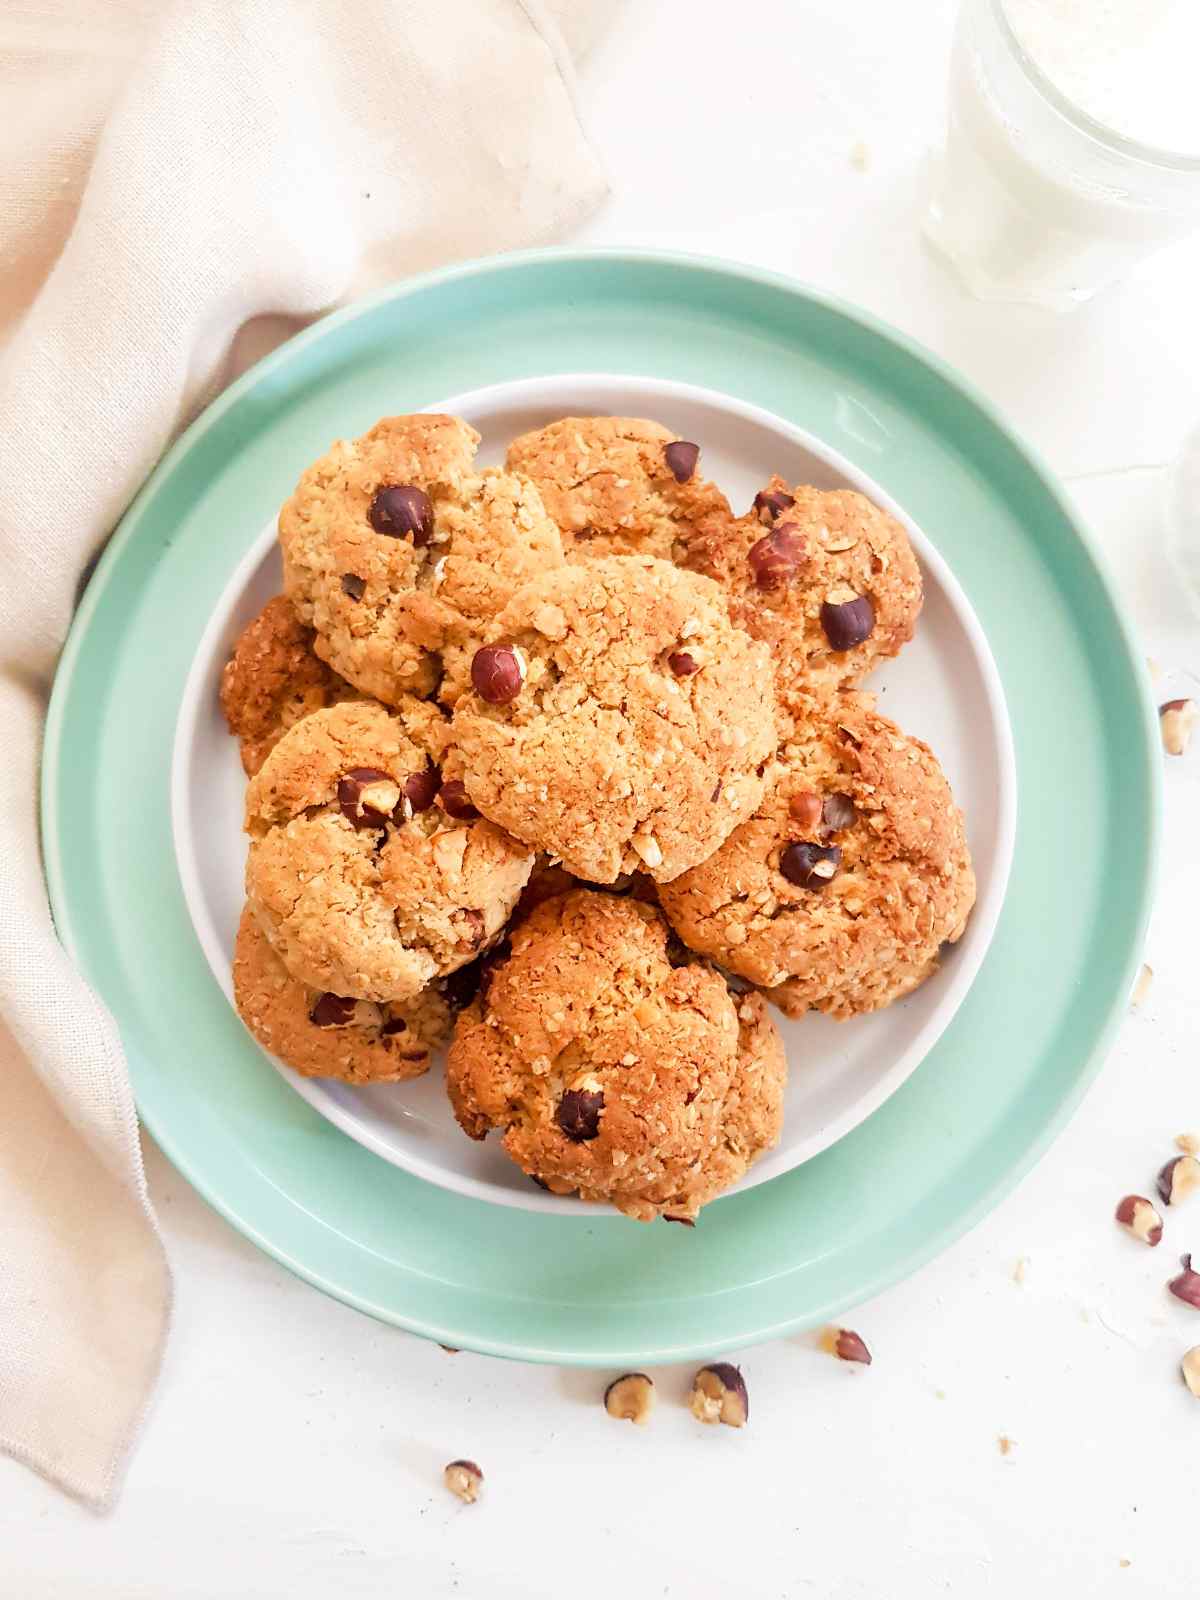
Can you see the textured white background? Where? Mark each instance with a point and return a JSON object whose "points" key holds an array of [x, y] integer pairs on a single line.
{"points": [[295, 1447]]}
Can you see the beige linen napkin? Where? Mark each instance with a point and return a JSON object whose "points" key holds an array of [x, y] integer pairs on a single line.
{"points": [[180, 185]]}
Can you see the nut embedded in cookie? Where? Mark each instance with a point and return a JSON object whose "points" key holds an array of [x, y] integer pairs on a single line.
{"points": [[363, 883], [611, 1072], [599, 752], [838, 893], [398, 553], [616, 486], [825, 577], [323, 1035]]}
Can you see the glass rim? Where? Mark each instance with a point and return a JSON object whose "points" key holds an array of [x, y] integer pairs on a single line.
{"points": [[1148, 154]]}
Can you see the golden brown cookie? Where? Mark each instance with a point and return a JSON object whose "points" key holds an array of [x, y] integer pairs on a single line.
{"points": [[825, 577], [617, 721], [397, 552], [272, 679], [323, 1035], [368, 879], [839, 891], [610, 1072], [616, 486]]}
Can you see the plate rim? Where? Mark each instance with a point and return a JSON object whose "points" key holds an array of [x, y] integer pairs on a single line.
{"points": [[945, 1232], [985, 914]]}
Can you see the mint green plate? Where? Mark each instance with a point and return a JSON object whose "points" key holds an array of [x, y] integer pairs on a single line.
{"points": [[982, 1105]]}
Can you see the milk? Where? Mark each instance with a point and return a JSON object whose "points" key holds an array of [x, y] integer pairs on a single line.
{"points": [[1032, 204]]}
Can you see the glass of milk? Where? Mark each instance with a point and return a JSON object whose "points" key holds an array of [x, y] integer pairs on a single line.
{"points": [[1073, 147]]}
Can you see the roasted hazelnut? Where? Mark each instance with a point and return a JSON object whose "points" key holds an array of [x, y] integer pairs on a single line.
{"points": [[775, 557], [401, 511], [681, 458], [770, 504], [454, 801], [805, 810], [1190, 1369], [464, 1479], [578, 1114], [1186, 1285], [1140, 1218], [1178, 1179], [497, 672], [420, 788], [846, 1345], [367, 797], [332, 1011], [810, 866], [630, 1398], [848, 622], [353, 585], [1176, 719], [719, 1395], [838, 812]]}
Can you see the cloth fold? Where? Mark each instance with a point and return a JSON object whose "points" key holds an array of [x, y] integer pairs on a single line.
{"points": [[180, 187]]}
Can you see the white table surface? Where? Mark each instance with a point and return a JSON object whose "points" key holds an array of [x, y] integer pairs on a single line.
{"points": [[294, 1447]]}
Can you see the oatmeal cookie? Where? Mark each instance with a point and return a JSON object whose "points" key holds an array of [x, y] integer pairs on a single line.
{"points": [[323, 1035], [616, 720], [616, 486], [612, 1073], [839, 891], [825, 577], [362, 875], [397, 553], [272, 679]]}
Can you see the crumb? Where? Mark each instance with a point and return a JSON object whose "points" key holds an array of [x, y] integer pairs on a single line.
{"points": [[860, 156], [939, 1394], [1005, 1444], [1124, 1562], [1018, 1272], [1141, 988]]}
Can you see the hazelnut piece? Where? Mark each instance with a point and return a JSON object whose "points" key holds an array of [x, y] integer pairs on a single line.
{"points": [[367, 797], [1189, 1143], [464, 1479], [838, 812], [1178, 1179], [848, 622], [497, 673], [810, 866], [719, 1395], [631, 1397], [683, 663], [775, 557], [681, 457], [401, 510], [1186, 1285], [1190, 1368], [1140, 1218], [846, 1345], [1176, 719], [805, 809], [455, 802], [771, 503], [578, 1114]]}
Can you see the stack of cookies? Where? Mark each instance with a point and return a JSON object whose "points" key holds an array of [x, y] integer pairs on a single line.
{"points": [[567, 764]]}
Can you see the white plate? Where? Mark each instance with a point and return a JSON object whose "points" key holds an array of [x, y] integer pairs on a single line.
{"points": [[944, 688]]}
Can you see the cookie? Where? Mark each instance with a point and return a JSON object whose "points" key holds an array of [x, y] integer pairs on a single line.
{"points": [[840, 890], [823, 576], [609, 1072], [396, 552], [272, 679], [616, 486], [360, 873], [617, 720], [323, 1035]]}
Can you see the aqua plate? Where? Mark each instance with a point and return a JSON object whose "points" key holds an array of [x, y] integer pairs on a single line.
{"points": [[983, 1104]]}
